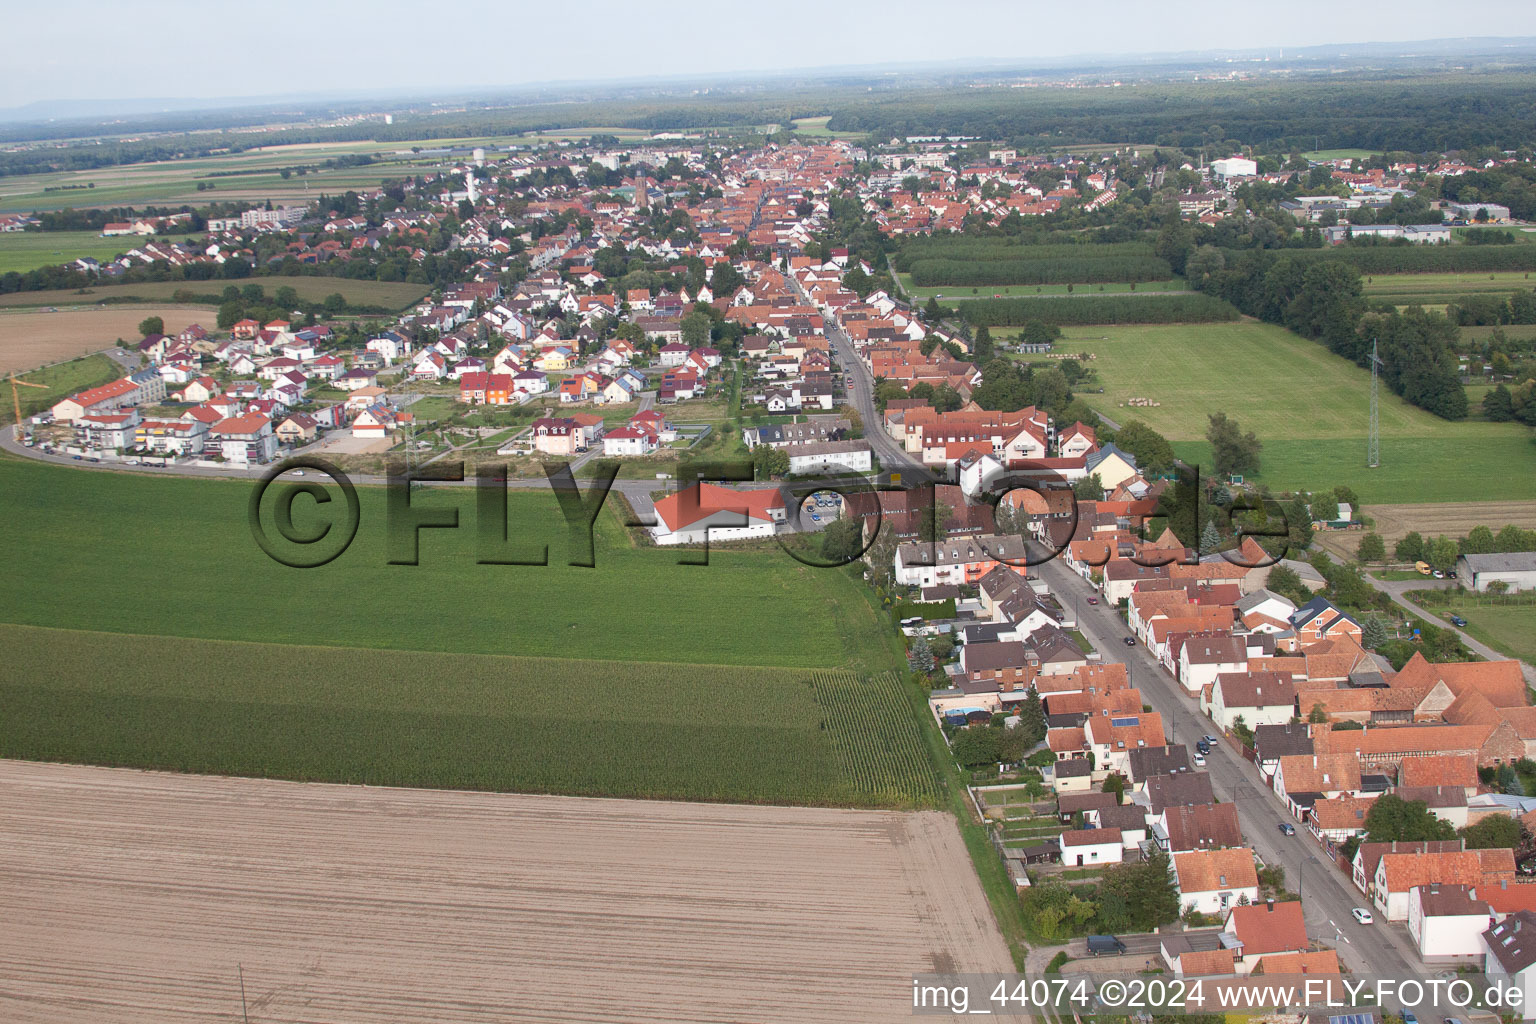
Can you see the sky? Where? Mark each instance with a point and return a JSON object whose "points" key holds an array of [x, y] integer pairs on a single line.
{"points": [[166, 48]]}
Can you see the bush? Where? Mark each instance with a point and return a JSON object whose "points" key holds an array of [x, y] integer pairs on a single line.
{"points": [[1054, 967]]}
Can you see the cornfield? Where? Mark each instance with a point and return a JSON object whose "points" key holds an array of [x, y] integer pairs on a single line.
{"points": [[875, 735], [460, 721]]}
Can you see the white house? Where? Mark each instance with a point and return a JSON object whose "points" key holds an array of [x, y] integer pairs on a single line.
{"points": [[1082, 847], [1203, 658], [978, 473], [630, 440], [1258, 698], [1447, 922], [1213, 881], [531, 382]]}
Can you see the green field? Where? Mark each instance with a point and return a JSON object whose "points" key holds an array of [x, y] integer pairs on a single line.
{"points": [[21, 251], [1507, 628], [1309, 407], [61, 380], [253, 174], [460, 721], [1338, 154], [750, 678], [68, 525], [389, 294], [1431, 289], [956, 293]]}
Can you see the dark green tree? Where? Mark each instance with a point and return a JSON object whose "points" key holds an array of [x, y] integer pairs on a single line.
{"points": [[1152, 451], [1494, 832], [1233, 452], [1409, 548], [1391, 817]]}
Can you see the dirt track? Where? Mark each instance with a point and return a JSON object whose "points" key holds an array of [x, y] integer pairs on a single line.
{"points": [[133, 896], [29, 338]]}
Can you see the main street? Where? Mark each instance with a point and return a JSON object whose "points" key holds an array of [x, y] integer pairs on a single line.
{"points": [[1327, 895], [893, 457]]}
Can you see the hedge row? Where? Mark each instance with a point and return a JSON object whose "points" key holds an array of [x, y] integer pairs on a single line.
{"points": [[1107, 309], [1064, 270], [1424, 259], [1011, 251]]}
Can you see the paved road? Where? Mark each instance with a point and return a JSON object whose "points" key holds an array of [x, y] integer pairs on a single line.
{"points": [[1327, 894], [893, 457]]}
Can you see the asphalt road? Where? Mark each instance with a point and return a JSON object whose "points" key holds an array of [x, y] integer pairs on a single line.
{"points": [[1327, 894], [893, 457]]}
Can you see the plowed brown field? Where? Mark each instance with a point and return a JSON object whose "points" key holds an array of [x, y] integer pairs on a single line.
{"points": [[29, 338], [138, 896]]}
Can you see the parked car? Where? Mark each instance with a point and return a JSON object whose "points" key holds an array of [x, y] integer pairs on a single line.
{"points": [[1362, 915], [1209, 738], [1287, 828], [1199, 760], [1457, 620], [1092, 599], [1203, 747], [1409, 1018], [1130, 641]]}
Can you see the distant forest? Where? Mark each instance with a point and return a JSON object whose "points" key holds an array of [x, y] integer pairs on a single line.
{"points": [[1430, 113], [1416, 113]]}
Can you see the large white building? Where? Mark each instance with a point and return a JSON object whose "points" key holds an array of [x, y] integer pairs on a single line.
{"points": [[1234, 167], [831, 456], [708, 512], [1515, 569]]}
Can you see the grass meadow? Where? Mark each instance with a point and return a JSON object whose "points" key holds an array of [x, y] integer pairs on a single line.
{"points": [[60, 381], [1437, 289], [1508, 628], [21, 251], [146, 628], [1309, 407], [130, 553]]}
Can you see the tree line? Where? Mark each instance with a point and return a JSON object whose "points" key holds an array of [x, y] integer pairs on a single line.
{"points": [[1324, 300]]}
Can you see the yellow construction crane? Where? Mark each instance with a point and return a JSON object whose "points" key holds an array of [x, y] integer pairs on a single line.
{"points": [[16, 398]]}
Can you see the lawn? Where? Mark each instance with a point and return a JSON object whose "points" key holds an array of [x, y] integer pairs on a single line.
{"points": [[460, 721], [21, 251], [75, 539], [61, 381], [386, 294], [1509, 629], [1309, 407]]}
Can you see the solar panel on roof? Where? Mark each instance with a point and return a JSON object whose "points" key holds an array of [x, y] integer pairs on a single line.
{"points": [[1123, 721]]}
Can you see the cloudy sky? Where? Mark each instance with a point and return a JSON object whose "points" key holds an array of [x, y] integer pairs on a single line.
{"points": [[93, 49]]}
